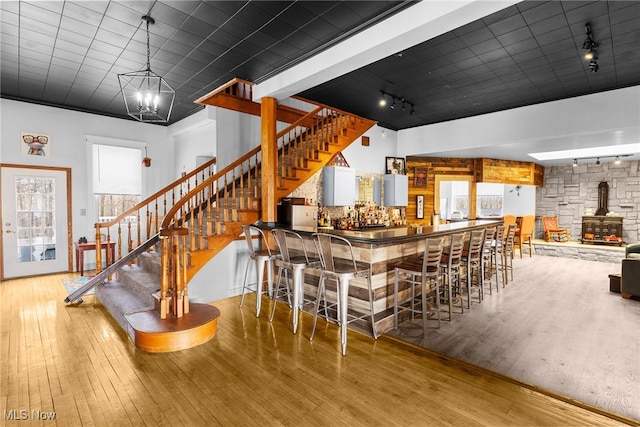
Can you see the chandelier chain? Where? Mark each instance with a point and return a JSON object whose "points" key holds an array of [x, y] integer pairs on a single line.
{"points": [[148, 48]]}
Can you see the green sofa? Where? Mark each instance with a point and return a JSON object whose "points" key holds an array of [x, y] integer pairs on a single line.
{"points": [[630, 283]]}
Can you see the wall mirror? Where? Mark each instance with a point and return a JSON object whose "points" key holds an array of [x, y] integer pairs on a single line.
{"points": [[368, 189]]}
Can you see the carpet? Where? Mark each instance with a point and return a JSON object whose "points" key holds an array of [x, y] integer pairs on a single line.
{"points": [[73, 283], [556, 326]]}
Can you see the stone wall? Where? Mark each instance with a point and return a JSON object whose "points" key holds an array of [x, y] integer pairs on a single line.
{"points": [[570, 192]]}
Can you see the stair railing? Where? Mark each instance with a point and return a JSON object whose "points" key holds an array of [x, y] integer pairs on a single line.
{"points": [[304, 140], [143, 220], [202, 212]]}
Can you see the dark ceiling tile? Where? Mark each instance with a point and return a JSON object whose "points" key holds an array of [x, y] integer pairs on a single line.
{"points": [[522, 46], [554, 23], [165, 14], [111, 38], [542, 11], [277, 29], [631, 11], [35, 46], [38, 38], [9, 7], [79, 39], [195, 29], [77, 27], [555, 36], [9, 41], [587, 12], [486, 46], [79, 12], [342, 16], [66, 56], [516, 36], [31, 15], [507, 25], [99, 6], [121, 28], [124, 13], [494, 55]]}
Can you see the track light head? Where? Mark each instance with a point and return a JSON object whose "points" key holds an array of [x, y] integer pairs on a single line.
{"points": [[593, 65], [383, 101], [598, 161], [575, 163]]}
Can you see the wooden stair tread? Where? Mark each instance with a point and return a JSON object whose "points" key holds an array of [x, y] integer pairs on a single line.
{"points": [[156, 335]]}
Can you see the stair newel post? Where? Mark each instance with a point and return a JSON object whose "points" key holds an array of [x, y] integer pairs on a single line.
{"points": [[164, 280]]}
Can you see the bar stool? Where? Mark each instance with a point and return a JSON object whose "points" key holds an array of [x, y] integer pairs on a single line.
{"points": [[472, 260], [294, 257], [260, 258], [339, 265], [422, 272], [506, 254], [450, 266], [487, 256], [496, 250]]}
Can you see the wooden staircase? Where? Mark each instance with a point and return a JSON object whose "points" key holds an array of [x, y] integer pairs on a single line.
{"points": [[201, 213]]}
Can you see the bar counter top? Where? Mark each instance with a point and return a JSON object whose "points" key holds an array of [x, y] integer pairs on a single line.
{"points": [[394, 235]]}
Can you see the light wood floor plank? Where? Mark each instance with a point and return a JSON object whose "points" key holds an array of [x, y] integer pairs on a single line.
{"points": [[76, 361]]}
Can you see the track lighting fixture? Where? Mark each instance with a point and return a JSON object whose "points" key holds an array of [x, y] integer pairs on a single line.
{"points": [[590, 46], [616, 161], [395, 101]]}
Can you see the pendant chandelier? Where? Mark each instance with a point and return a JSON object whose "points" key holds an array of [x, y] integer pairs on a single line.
{"points": [[147, 96]]}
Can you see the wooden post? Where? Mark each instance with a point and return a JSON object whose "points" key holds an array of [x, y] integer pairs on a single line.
{"points": [[269, 159]]}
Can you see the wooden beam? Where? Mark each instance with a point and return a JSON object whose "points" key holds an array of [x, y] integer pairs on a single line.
{"points": [[269, 159]]}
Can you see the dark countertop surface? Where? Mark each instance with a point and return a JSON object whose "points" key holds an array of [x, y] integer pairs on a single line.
{"points": [[395, 234]]}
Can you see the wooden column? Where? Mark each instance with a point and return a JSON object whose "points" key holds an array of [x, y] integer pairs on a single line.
{"points": [[269, 160]]}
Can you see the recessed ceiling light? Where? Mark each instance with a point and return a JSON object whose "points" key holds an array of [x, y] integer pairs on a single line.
{"points": [[611, 150]]}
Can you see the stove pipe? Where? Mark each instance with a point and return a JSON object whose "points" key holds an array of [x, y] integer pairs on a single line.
{"points": [[603, 198]]}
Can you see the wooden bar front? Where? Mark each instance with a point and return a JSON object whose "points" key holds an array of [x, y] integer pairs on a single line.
{"points": [[382, 249]]}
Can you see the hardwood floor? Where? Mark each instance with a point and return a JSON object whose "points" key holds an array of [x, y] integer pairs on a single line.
{"points": [[76, 363]]}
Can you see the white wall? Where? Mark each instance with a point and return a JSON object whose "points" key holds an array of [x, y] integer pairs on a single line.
{"points": [[198, 139], [68, 130], [371, 159], [573, 118], [519, 202]]}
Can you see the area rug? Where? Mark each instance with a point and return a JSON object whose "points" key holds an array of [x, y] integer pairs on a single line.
{"points": [[73, 283]]}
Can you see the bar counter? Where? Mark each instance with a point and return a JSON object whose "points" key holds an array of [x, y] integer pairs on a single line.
{"points": [[382, 249]]}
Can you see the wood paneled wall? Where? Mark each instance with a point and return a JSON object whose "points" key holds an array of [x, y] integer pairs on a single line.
{"points": [[509, 172], [477, 170]]}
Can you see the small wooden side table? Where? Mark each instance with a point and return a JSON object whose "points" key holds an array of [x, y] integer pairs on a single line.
{"points": [[109, 247]]}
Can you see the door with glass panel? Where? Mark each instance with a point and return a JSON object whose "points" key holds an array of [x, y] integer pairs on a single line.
{"points": [[35, 221]]}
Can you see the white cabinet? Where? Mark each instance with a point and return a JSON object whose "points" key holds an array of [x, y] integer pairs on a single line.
{"points": [[396, 190], [339, 186]]}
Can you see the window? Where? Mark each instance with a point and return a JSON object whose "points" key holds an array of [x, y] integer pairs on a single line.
{"points": [[117, 180]]}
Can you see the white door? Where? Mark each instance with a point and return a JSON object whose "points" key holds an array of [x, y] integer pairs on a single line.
{"points": [[35, 221]]}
